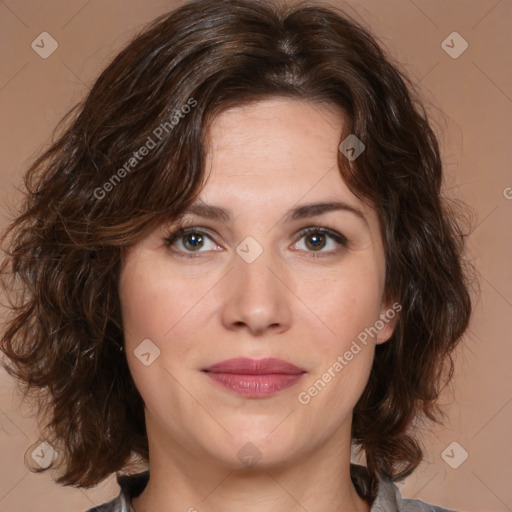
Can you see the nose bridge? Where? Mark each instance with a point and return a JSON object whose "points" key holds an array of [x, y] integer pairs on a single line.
{"points": [[256, 266], [256, 297]]}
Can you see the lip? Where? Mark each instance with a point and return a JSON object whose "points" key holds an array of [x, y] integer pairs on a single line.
{"points": [[247, 366], [255, 378]]}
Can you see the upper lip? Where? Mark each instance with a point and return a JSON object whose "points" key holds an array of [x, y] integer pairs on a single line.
{"points": [[247, 366]]}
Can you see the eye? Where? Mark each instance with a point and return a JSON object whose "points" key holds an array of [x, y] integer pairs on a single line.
{"points": [[190, 240], [317, 239]]}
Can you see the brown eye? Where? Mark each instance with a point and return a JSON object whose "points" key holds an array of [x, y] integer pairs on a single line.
{"points": [[321, 241], [192, 241], [315, 241]]}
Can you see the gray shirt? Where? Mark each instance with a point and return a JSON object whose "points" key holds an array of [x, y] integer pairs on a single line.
{"points": [[388, 497]]}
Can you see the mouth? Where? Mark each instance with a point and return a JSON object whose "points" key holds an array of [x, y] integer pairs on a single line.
{"points": [[255, 378]]}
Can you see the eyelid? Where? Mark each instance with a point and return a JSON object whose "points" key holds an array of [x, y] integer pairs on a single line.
{"points": [[179, 231], [339, 237]]}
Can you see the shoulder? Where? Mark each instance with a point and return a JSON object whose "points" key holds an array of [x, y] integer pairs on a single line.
{"points": [[118, 504], [111, 506], [389, 499], [385, 495], [130, 487]]}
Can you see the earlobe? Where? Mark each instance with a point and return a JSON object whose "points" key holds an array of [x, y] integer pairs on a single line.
{"points": [[387, 321], [384, 334]]}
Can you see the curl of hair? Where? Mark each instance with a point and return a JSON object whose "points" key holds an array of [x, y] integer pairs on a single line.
{"points": [[66, 245]]}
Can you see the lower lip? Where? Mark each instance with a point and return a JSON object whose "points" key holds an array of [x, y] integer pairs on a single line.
{"points": [[256, 386]]}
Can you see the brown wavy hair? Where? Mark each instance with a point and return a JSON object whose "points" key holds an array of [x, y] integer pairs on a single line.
{"points": [[65, 245]]}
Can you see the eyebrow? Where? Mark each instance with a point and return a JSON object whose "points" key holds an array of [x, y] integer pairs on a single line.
{"points": [[210, 211]]}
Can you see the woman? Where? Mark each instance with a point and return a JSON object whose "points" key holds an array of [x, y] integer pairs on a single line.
{"points": [[236, 265]]}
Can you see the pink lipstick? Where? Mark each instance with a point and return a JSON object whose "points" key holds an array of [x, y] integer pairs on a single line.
{"points": [[255, 378]]}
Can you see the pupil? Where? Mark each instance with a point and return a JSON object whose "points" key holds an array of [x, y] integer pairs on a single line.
{"points": [[193, 240], [316, 240]]}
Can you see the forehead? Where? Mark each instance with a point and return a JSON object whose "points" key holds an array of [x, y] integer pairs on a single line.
{"points": [[274, 151], [282, 130]]}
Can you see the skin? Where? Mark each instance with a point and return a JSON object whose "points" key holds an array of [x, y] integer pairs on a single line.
{"points": [[264, 159]]}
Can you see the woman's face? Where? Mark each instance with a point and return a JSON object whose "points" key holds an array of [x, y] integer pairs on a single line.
{"points": [[247, 282]]}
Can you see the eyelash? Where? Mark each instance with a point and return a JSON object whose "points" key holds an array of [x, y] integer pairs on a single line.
{"points": [[181, 231]]}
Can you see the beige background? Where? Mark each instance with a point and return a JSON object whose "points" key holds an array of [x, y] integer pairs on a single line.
{"points": [[473, 99]]}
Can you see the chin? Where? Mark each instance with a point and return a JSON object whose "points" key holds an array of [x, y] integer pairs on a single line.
{"points": [[251, 449]]}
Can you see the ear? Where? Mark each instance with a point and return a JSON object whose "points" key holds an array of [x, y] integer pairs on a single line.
{"points": [[387, 320]]}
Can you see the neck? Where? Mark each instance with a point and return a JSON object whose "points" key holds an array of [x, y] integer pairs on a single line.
{"points": [[315, 481]]}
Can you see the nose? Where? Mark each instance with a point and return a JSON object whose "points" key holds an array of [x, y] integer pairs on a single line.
{"points": [[257, 299]]}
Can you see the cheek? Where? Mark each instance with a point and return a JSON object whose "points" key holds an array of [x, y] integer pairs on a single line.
{"points": [[154, 300], [346, 302], [347, 307], [166, 308], [152, 303]]}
